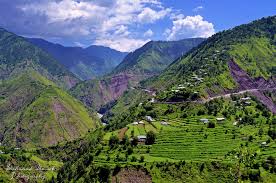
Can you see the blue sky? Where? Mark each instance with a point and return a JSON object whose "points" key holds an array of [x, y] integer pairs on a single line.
{"points": [[127, 24]]}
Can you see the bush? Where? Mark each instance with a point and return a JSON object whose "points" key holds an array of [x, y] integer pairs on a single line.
{"points": [[142, 159], [254, 175], [133, 159], [129, 151], [150, 138], [114, 140], [125, 140], [272, 133], [134, 141], [211, 124]]}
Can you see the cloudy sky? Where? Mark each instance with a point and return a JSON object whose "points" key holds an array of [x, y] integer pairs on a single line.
{"points": [[126, 24]]}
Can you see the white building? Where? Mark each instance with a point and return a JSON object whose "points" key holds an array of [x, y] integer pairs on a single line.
{"points": [[204, 120], [149, 119], [220, 119], [164, 123], [142, 138]]}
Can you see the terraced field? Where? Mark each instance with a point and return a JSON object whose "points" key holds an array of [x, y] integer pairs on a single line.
{"points": [[190, 139]]}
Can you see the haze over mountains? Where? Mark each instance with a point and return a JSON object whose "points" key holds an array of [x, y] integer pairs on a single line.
{"points": [[85, 63]]}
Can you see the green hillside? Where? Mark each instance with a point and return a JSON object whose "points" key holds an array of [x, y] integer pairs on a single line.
{"points": [[155, 56], [230, 138], [34, 112], [86, 63], [251, 46], [18, 55], [143, 63]]}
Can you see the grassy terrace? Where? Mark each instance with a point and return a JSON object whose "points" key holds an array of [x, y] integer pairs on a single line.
{"points": [[190, 139]]}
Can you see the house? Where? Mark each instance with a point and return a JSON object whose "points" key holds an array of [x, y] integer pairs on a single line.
{"points": [[164, 123], [141, 122], [142, 138], [176, 91], [245, 99], [264, 144], [235, 123], [152, 100], [1, 152], [204, 120], [149, 119], [99, 115], [135, 123], [247, 103], [220, 119], [104, 124]]}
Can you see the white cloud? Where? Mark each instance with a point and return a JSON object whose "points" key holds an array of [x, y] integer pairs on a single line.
{"points": [[119, 24], [149, 15], [123, 44], [65, 10], [190, 27], [79, 44], [198, 8], [111, 23], [148, 33]]}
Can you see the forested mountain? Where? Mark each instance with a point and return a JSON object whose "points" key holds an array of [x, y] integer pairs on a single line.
{"points": [[155, 56], [143, 63], [18, 55], [35, 109], [208, 117], [86, 63], [251, 46]]}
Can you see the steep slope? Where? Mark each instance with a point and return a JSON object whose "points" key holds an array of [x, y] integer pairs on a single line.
{"points": [[143, 63], [155, 56], [207, 70], [17, 55], [85, 63], [34, 112]]}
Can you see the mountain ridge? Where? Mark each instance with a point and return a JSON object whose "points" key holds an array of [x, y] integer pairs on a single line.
{"points": [[141, 64], [86, 63]]}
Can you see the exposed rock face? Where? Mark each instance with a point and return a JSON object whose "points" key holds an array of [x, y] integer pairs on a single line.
{"points": [[119, 84], [255, 86]]}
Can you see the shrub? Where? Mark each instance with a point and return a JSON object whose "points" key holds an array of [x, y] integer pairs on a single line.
{"points": [[211, 124], [150, 138], [134, 141], [133, 159], [114, 140], [142, 159]]}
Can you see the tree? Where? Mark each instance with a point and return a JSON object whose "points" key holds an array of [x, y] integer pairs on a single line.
{"points": [[114, 140], [150, 138], [142, 159], [272, 133], [125, 140], [134, 141], [211, 124], [129, 150], [133, 159]]}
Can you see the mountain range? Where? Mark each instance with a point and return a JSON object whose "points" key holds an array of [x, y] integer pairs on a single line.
{"points": [[33, 96], [194, 110], [85, 63], [145, 62]]}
